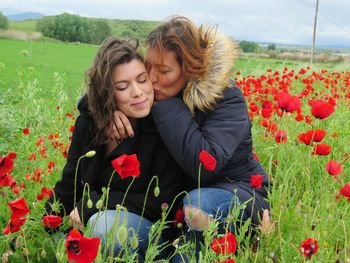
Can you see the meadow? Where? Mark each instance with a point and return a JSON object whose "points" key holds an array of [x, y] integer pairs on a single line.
{"points": [[41, 82]]}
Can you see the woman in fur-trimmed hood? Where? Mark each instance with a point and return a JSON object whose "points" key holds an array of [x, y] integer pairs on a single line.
{"points": [[199, 108]]}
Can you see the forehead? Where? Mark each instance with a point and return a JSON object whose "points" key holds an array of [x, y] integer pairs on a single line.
{"points": [[128, 70], [161, 57]]}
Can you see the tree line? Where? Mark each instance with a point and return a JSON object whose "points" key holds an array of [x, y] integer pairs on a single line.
{"points": [[73, 28]]}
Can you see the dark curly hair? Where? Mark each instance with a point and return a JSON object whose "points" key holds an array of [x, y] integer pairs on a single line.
{"points": [[100, 87]]}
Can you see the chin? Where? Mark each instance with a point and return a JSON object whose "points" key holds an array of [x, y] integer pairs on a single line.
{"points": [[141, 114]]}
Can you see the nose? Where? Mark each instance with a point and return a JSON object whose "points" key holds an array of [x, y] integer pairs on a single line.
{"points": [[153, 75], [136, 90]]}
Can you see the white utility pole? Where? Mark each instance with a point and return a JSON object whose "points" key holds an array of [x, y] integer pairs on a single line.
{"points": [[314, 36]]}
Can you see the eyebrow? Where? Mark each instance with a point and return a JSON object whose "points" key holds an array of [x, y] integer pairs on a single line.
{"points": [[123, 81]]}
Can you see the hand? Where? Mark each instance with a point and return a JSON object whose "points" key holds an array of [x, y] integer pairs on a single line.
{"points": [[74, 219], [120, 127]]}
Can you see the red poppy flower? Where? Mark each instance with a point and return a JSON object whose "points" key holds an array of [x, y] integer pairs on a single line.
{"points": [[322, 149], [40, 141], [312, 136], [179, 217], [334, 168], [14, 225], [52, 221], [45, 192], [225, 245], [32, 156], [26, 131], [6, 165], [281, 137], [288, 102], [51, 165], [309, 247], [12, 155], [321, 109], [226, 261], [7, 181], [208, 160], [127, 165], [256, 180], [266, 113], [345, 191], [18, 207], [81, 249]]}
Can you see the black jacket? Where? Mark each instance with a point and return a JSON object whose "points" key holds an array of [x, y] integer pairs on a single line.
{"points": [[96, 171], [224, 132]]}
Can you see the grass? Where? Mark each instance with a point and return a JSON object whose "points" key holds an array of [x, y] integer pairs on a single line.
{"points": [[36, 77], [25, 26]]}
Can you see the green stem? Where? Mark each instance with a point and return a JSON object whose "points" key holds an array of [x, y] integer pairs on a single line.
{"points": [[127, 190], [75, 180], [75, 184], [145, 200], [199, 186], [109, 183]]}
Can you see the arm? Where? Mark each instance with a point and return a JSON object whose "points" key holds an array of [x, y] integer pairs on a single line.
{"points": [[221, 133]]}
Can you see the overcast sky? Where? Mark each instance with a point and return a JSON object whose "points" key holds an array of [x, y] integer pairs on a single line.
{"points": [[277, 21]]}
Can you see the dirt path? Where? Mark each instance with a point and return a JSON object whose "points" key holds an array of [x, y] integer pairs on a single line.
{"points": [[20, 34]]}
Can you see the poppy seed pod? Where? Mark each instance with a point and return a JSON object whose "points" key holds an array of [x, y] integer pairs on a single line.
{"points": [[122, 235], [90, 154], [156, 191]]}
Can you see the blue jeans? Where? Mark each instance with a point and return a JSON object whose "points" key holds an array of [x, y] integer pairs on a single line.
{"points": [[101, 225], [217, 203]]}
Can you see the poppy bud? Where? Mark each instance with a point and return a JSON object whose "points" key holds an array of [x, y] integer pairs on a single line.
{"points": [[43, 253], [134, 242], [89, 203], [122, 234], [156, 191], [164, 207], [90, 154], [99, 204]]}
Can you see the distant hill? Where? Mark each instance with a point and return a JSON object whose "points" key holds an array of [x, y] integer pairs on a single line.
{"points": [[25, 16]]}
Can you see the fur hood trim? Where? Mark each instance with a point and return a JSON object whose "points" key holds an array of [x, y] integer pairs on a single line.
{"points": [[203, 92]]}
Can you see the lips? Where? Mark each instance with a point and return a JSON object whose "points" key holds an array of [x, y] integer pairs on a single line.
{"points": [[140, 104]]}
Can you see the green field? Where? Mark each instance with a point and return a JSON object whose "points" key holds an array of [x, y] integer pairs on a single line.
{"points": [[40, 82], [25, 26]]}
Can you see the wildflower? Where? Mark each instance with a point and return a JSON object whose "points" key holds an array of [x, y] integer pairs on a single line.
{"points": [[256, 181], [309, 247], [26, 131], [225, 245], [322, 149], [208, 160], [52, 221], [312, 136], [18, 207], [334, 168], [6, 165], [12, 155], [179, 217], [321, 109], [14, 225], [287, 102], [45, 192], [281, 137], [345, 191], [226, 261], [127, 165], [81, 249]]}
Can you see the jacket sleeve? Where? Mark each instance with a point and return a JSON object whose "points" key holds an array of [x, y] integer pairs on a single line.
{"points": [[220, 134], [64, 189]]}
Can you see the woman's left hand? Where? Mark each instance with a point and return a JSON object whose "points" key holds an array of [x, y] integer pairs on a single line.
{"points": [[74, 219]]}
